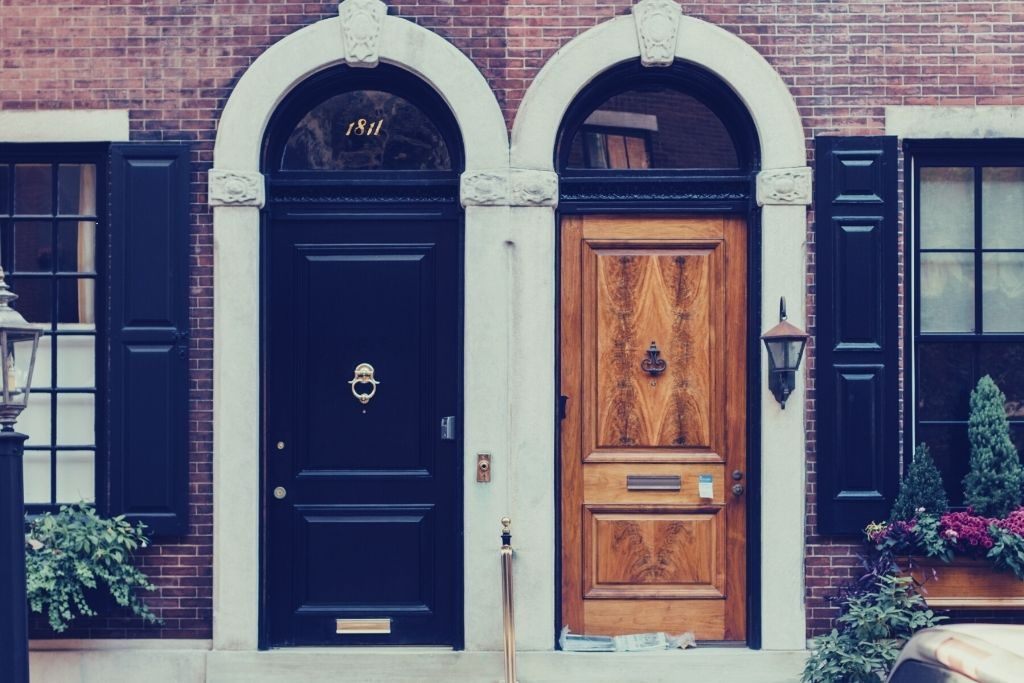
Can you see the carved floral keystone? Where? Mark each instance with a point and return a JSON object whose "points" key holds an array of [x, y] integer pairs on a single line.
{"points": [[657, 25], [362, 22]]}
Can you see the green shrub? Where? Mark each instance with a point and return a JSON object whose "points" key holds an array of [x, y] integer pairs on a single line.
{"points": [[76, 550], [992, 487], [879, 613], [921, 489]]}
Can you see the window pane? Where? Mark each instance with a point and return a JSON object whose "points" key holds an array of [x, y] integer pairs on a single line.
{"points": [[34, 421], [947, 292], [683, 131], [366, 130], [945, 377], [947, 208], [5, 188], [75, 301], [1002, 208], [1003, 293], [33, 189], [76, 361], [597, 151], [76, 246], [76, 189], [951, 451], [34, 298], [37, 477], [76, 478], [33, 247], [41, 378], [1005, 363], [76, 421]]}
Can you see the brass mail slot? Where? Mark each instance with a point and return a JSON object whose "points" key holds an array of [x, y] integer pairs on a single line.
{"points": [[653, 482], [351, 627]]}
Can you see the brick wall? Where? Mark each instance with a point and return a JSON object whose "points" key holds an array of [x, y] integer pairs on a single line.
{"points": [[173, 63]]}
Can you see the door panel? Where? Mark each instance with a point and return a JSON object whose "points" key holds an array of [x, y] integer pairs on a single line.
{"points": [[643, 547], [366, 528]]}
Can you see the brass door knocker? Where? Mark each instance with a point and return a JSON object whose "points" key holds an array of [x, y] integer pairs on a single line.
{"points": [[363, 375]]}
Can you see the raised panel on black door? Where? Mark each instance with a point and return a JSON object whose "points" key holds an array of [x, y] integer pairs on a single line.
{"points": [[367, 526], [379, 299]]}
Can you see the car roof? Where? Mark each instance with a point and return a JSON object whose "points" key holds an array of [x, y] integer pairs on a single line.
{"points": [[993, 653]]}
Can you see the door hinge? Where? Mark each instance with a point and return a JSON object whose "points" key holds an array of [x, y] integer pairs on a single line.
{"points": [[563, 402], [448, 428]]}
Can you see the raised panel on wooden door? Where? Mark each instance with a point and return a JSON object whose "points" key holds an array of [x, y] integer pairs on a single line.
{"points": [[645, 551], [636, 295], [365, 304]]}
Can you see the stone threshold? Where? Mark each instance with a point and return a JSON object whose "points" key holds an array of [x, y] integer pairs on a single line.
{"points": [[159, 664]]}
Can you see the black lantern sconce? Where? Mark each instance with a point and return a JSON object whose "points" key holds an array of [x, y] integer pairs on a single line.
{"points": [[785, 343]]}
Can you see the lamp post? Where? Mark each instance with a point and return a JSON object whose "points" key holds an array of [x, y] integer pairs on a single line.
{"points": [[785, 343], [18, 339]]}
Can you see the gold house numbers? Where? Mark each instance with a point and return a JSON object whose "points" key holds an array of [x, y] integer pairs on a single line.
{"points": [[362, 127]]}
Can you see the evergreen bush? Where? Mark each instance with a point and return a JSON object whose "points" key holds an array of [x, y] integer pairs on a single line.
{"points": [[992, 487], [922, 488]]}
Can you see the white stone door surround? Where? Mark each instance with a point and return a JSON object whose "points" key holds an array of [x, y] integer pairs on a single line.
{"points": [[510, 196]]}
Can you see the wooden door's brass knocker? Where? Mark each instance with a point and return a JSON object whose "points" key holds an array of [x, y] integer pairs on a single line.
{"points": [[363, 375]]}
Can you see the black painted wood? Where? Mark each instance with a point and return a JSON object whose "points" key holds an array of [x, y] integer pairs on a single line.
{"points": [[370, 524], [147, 400], [857, 367]]}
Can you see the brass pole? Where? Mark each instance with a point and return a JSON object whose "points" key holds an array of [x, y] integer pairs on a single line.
{"points": [[508, 617]]}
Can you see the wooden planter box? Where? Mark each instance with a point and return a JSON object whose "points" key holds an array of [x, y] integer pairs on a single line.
{"points": [[968, 584]]}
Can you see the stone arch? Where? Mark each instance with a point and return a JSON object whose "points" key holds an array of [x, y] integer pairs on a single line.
{"points": [[656, 33], [363, 35]]}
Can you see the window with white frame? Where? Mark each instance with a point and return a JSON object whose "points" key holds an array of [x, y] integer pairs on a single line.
{"points": [[967, 259], [49, 223]]}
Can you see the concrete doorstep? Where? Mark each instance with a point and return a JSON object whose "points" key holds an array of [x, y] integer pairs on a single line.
{"points": [[127, 664]]}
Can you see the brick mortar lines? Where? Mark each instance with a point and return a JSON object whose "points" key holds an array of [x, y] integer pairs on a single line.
{"points": [[173, 64]]}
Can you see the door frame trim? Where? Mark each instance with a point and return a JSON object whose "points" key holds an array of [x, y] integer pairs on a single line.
{"points": [[752, 218], [781, 261]]}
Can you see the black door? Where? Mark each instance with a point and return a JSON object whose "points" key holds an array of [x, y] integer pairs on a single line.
{"points": [[361, 484]]}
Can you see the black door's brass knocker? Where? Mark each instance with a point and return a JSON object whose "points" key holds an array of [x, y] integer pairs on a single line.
{"points": [[653, 364], [363, 375]]}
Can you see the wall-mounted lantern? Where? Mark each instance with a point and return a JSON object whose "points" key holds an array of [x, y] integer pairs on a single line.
{"points": [[785, 343]]}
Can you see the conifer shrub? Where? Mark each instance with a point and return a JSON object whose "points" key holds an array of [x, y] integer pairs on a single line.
{"points": [[921, 491], [992, 487]]}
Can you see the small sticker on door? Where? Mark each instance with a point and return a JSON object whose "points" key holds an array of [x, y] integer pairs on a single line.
{"points": [[705, 486]]}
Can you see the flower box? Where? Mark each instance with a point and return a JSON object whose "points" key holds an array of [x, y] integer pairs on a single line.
{"points": [[967, 584]]}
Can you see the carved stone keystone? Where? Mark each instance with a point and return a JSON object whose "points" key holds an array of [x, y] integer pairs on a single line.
{"points": [[361, 24], [657, 25]]}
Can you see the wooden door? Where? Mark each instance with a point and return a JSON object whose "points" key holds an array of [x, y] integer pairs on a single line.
{"points": [[363, 524], [643, 547]]}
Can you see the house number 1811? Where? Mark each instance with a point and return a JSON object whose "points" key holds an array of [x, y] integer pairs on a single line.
{"points": [[364, 127]]}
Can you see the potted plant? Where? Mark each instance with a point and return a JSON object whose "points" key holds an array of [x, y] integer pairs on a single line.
{"points": [[971, 558], [75, 556]]}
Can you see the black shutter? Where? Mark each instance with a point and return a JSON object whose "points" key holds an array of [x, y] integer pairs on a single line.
{"points": [[857, 377], [147, 385]]}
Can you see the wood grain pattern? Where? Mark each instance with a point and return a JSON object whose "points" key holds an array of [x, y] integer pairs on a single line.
{"points": [[654, 553], [968, 584], [605, 483], [660, 296], [653, 560], [617, 617]]}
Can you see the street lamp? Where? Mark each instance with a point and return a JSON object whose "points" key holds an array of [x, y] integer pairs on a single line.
{"points": [[18, 342], [785, 343]]}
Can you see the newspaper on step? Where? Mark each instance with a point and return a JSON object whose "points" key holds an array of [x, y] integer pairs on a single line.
{"points": [[636, 642]]}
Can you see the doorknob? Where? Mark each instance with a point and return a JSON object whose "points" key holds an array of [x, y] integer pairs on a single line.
{"points": [[280, 492]]}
